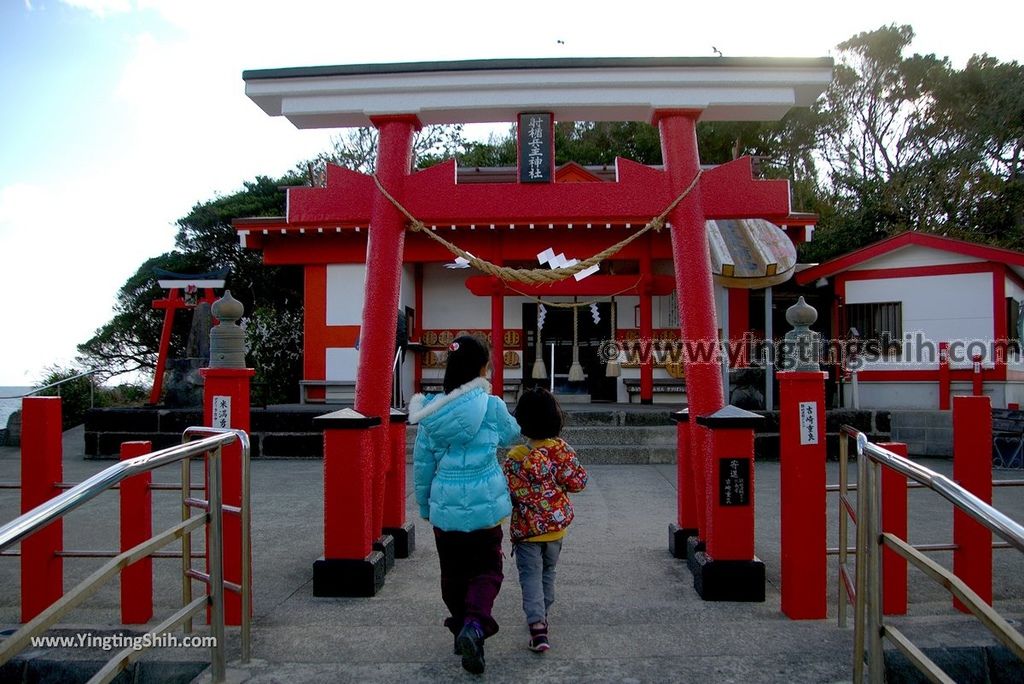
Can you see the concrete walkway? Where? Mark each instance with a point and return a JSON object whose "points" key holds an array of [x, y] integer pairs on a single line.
{"points": [[626, 610]]}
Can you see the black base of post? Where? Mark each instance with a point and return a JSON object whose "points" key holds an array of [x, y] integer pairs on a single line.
{"points": [[678, 538], [725, 580], [386, 545], [348, 576], [405, 539]]}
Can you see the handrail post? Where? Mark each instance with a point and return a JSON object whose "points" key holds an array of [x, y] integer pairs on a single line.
{"points": [[844, 528], [860, 581], [42, 569], [186, 540], [136, 504], [215, 560], [876, 668]]}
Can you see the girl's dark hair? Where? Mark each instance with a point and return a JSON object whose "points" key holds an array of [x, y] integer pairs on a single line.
{"points": [[467, 356], [539, 415]]}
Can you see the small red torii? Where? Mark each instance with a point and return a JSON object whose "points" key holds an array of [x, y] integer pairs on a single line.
{"points": [[182, 293]]}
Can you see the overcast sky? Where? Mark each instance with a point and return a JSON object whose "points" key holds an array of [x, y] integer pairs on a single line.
{"points": [[119, 115]]}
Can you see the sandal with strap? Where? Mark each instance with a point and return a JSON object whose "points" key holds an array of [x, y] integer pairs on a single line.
{"points": [[539, 639]]}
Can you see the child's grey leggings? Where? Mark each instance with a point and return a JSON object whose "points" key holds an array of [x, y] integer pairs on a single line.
{"points": [[536, 563]]}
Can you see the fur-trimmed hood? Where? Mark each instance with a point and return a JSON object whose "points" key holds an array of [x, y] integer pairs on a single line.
{"points": [[455, 415]]}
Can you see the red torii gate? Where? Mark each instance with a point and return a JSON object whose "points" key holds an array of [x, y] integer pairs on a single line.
{"points": [[175, 284], [675, 94]]}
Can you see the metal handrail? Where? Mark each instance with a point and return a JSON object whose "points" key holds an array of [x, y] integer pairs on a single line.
{"points": [[59, 506], [45, 513], [53, 384], [870, 628]]}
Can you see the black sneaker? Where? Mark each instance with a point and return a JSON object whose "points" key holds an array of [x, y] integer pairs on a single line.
{"points": [[539, 639], [470, 643]]}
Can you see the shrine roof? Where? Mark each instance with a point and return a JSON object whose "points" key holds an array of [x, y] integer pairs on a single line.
{"points": [[574, 89], [907, 240]]}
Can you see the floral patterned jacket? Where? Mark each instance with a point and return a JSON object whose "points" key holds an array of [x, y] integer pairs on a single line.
{"points": [[539, 480]]}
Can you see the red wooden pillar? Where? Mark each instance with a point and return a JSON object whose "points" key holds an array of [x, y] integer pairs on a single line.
{"points": [[170, 305], [727, 569], [350, 565], [136, 527], [376, 356], [739, 325], [698, 322], [42, 570], [894, 520], [395, 525], [689, 509], [802, 494], [498, 341], [972, 469], [646, 327], [226, 405]]}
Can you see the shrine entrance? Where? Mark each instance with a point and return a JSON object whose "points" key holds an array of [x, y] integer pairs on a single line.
{"points": [[557, 335], [645, 213]]}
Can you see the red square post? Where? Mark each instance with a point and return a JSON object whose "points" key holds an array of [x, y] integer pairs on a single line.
{"points": [[972, 470], [802, 494], [350, 565], [226, 405], [403, 533], [42, 570], [136, 499], [687, 524], [894, 521], [727, 570]]}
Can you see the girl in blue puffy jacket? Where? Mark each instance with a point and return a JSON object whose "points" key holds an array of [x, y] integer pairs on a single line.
{"points": [[462, 491]]}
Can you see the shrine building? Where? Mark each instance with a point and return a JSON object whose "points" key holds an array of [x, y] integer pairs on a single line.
{"points": [[516, 218]]}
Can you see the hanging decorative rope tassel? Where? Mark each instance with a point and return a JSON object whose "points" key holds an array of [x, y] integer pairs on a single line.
{"points": [[613, 369], [576, 370], [539, 370]]}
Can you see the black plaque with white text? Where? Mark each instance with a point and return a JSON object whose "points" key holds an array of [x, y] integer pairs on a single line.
{"points": [[536, 148], [734, 482]]}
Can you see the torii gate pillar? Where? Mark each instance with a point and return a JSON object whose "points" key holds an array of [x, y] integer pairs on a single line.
{"points": [[371, 443], [721, 556]]}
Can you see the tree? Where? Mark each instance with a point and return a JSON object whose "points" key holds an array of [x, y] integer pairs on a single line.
{"points": [[206, 240]]}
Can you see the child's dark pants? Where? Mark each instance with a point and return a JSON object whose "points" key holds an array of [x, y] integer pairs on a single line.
{"points": [[470, 575]]}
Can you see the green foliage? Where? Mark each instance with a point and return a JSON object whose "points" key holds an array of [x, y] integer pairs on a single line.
{"points": [[77, 395], [274, 348]]}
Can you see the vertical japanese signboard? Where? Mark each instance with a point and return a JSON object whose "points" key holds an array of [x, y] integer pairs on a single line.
{"points": [[221, 412], [808, 422], [536, 147]]}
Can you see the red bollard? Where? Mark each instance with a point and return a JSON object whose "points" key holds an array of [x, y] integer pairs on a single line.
{"points": [[687, 523], [136, 501], [395, 525], [972, 470], [802, 494], [894, 521], [728, 570], [350, 566], [226, 405], [42, 570]]}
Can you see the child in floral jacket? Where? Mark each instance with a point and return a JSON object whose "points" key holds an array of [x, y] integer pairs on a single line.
{"points": [[540, 475]]}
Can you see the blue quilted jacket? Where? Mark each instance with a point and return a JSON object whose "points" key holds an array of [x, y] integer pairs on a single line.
{"points": [[459, 483]]}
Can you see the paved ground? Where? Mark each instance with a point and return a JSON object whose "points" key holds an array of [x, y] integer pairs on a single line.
{"points": [[626, 610]]}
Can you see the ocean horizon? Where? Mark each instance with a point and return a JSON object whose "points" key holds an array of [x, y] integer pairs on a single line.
{"points": [[9, 406]]}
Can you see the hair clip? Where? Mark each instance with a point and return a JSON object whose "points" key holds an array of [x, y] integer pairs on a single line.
{"points": [[454, 346]]}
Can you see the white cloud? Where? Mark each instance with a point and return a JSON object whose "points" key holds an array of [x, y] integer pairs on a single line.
{"points": [[101, 8]]}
